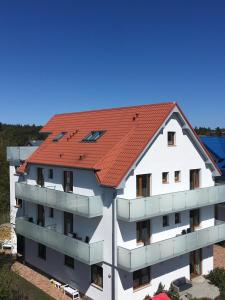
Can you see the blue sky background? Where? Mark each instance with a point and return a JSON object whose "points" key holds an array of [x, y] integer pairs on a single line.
{"points": [[70, 55]]}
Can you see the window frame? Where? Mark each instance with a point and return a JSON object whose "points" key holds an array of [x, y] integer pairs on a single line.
{"points": [[139, 276], [41, 251], [97, 276], [59, 136], [177, 221], [93, 136], [40, 176], [68, 184], [165, 223], [19, 203], [51, 212], [171, 138], [140, 225], [165, 181], [69, 261], [50, 174], [179, 176], [140, 190]]}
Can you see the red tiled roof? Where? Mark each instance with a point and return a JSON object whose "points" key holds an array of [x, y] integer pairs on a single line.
{"points": [[128, 131]]}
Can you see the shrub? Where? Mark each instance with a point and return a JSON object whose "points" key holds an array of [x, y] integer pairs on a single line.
{"points": [[217, 277], [160, 289]]}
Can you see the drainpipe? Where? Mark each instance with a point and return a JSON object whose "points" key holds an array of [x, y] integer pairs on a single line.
{"points": [[114, 294]]}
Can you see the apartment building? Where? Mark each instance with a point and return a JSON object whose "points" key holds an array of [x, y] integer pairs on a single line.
{"points": [[115, 201]]}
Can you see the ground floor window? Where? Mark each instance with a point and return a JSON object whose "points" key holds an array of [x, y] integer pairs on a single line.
{"points": [[20, 244], [97, 275], [42, 251], [69, 261], [141, 277]]}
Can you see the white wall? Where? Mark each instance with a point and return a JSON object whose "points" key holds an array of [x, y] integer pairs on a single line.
{"points": [[97, 229], [79, 277], [164, 272], [161, 158]]}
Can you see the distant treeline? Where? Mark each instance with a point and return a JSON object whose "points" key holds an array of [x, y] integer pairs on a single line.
{"points": [[218, 131], [12, 135]]}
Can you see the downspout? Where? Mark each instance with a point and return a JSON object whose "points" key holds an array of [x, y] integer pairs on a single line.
{"points": [[114, 295]]}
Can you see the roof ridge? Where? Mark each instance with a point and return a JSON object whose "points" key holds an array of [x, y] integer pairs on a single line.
{"points": [[116, 108]]}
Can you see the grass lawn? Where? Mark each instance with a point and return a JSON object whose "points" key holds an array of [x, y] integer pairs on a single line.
{"points": [[29, 290], [32, 292]]}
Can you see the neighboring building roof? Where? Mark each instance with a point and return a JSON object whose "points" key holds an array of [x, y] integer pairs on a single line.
{"points": [[216, 145], [123, 134], [34, 143]]}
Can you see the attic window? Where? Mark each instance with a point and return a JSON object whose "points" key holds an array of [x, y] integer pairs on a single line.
{"points": [[58, 136], [93, 136]]}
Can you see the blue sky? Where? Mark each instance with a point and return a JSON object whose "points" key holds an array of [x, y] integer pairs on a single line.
{"points": [[63, 56]]}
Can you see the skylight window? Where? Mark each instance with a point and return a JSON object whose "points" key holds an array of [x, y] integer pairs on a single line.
{"points": [[93, 136], [58, 136]]}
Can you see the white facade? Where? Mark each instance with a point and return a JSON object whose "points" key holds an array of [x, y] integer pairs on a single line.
{"points": [[117, 283]]}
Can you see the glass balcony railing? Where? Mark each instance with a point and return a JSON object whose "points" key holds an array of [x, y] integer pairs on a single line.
{"points": [[138, 258], [88, 253], [19, 153], [77, 204], [142, 208]]}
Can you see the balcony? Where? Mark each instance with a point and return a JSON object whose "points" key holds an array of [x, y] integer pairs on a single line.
{"points": [[87, 253], [138, 258], [130, 210], [76, 204], [16, 154]]}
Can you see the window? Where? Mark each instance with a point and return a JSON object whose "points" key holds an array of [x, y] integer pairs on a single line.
{"points": [[68, 223], [141, 277], [177, 218], [165, 221], [50, 173], [20, 244], [194, 179], [143, 185], [97, 275], [19, 203], [69, 261], [59, 136], [40, 177], [40, 215], [93, 136], [171, 138], [68, 181], [42, 251], [143, 232], [177, 176], [165, 177], [51, 212]]}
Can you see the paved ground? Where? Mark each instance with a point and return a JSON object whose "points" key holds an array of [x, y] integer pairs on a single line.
{"points": [[201, 288], [39, 280], [219, 256]]}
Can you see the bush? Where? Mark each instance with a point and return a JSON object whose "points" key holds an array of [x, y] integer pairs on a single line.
{"points": [[160, 289], [173, 294], [217, 277]]}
